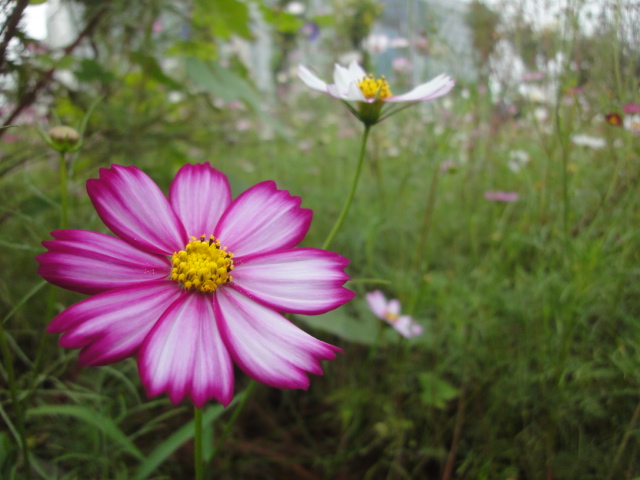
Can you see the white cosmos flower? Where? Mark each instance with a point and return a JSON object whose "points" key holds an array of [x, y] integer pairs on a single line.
{"points": [[352, 84], [632, 123], [588, 141]]}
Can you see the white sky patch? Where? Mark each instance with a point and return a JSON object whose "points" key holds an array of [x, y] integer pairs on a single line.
{"points": [[35, 21]]}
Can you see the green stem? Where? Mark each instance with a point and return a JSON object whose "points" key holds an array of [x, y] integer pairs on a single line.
{"points": [[426, 223], [354, 185], [234, 417], [198, 463], [625, 440], [63, 192], [17, 405]]}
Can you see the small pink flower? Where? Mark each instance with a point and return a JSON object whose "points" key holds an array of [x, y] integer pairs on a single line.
{"points": [[168, 291], [243, 125], [401, 65], [532, 77], [500, 196], [631, 108], [448, 166], [390, 313]]}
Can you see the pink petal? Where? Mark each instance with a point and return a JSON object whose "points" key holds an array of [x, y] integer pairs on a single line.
{"points": [[111, 326], [300, 280], [199, 195], [352, 93], [134, 208], [185, 356], [266, 345], [393, 307], [263, 219], [310, 79], [377, 303], [437, 87], [91, 262], [407, 327]]}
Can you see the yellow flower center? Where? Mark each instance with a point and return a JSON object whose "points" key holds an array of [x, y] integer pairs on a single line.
{"points": [[374, 88], [202, 265], [391, 317]]}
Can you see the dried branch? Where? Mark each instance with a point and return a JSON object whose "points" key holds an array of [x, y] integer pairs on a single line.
{"points": [[10, 28], [31, 95]]}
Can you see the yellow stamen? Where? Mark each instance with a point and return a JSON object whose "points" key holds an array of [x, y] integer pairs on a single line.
{"points": [[374, 88], [391, 317], [203, 265]]}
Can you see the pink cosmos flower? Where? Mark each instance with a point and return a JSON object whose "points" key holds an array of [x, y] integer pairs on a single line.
{"points": [[352, 84], [500, 196], [401, 65], [194, 283], [631, 108], [390, 313]]}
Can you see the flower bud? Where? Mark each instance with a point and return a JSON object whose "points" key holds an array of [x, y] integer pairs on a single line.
{"points": [[64, 139]]}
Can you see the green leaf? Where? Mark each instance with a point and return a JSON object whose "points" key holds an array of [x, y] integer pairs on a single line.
{"points": [[90, 71], [151, 67], [8, 452], [436, 392], [91, 417], [224, 18], [24, 299], [282, 21], [229, 86], [324, 21], [221, 82], [341, 324], [171, 444]]}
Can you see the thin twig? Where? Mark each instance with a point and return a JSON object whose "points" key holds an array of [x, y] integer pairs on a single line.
{"points": [[457, 432], [10, 29], [31, 95]]}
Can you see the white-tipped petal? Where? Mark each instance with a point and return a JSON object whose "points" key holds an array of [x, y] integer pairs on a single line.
{"points": [[265, 345], [184, 355], [311, 80], [435, 88], [356, 71], [341, 78]]}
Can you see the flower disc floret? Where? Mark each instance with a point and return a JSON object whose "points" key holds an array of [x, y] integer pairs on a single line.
{"points": [[375, 88], [203, 265]]}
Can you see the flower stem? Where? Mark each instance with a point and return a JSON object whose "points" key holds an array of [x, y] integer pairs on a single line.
{"points": [[63, 192], [234, 417], [426, 222], [354, 185], [15, 402], [198, 463]]}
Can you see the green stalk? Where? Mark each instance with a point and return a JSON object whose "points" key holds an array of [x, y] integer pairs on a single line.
{"points": [[234, 417], [354, 185], [63, 192], [426, 223], [17, 405], [198, 463]]}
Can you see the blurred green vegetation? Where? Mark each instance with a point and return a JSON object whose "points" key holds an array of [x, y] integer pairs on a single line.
{"points": [[529, 365]]}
